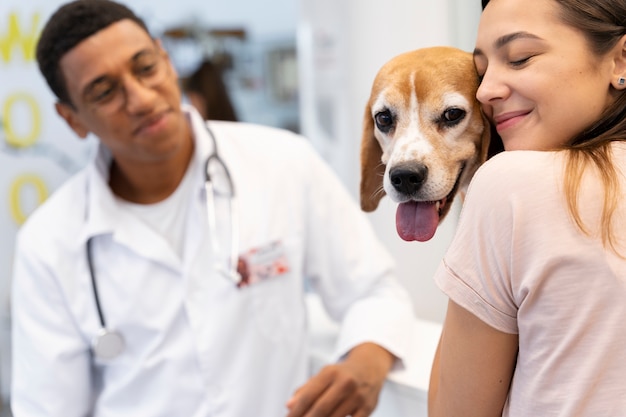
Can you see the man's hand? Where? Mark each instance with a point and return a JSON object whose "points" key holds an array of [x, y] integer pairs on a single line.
{"points": [[349, 388]]}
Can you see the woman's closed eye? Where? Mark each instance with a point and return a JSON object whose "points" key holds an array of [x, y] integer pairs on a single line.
{"points": [[520, 62]]}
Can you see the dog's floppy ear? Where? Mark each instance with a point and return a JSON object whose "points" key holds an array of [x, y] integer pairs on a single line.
{"points": [[372, 168], [485, 151], [495, 144], [485, 140]]}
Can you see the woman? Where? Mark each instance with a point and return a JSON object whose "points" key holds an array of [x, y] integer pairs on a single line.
{"points": [[536, 274]]}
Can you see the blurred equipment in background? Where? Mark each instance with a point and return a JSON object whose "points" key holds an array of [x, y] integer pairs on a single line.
{"points": [[228, 74], [207, 92], [205, 86]]}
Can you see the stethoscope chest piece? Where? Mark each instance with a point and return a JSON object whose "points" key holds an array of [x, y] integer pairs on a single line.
{"points": [[108, 344]]}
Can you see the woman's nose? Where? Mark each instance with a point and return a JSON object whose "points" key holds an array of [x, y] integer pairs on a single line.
{"points": [[491, 88]]}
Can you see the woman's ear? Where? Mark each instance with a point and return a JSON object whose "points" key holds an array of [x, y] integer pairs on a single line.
{"points": [[618, 78], [72, 119]]}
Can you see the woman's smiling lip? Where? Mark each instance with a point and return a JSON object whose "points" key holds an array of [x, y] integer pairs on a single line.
{"points": [[506, 120]]}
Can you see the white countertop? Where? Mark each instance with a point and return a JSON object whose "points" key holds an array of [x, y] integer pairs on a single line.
{"points": [[406, 389]]}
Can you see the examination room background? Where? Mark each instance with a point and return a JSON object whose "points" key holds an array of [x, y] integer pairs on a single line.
{"points": [[306, 65]]}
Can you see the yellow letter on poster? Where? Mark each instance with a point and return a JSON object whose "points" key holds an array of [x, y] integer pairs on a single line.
{"points": [[14, 38], [18, 185], [12, 138]]}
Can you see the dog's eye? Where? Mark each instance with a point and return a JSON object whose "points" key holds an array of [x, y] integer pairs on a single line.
{"points": [[384, 121], [453, 116]]}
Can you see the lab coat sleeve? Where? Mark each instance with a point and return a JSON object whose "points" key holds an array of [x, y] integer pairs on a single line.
{"points": [[51, 360], [352, 271]]}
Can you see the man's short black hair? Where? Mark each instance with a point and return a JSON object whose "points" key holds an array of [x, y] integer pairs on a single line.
{"points": [[70, 25]]}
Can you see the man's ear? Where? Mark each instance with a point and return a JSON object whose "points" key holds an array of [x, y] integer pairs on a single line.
{"points": [[72, 119]]}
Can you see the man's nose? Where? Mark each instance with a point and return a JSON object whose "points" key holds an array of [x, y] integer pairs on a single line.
{"points": [[139, 97]]}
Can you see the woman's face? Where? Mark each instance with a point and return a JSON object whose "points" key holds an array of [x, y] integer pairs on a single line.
{"points": [[541, 84]]}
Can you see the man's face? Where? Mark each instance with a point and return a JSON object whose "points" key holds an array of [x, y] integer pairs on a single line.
{"points": [[124, 90]]}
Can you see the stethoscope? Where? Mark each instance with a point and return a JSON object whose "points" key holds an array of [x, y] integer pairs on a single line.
{"points": [[109, 343]]}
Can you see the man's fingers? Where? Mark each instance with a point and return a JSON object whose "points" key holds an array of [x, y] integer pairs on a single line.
{"points": [[347, 407], [334, 392], [339, 400], [307, 394]]}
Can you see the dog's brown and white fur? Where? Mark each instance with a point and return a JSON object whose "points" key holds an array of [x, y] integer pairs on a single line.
{"points": [[424, 136]]}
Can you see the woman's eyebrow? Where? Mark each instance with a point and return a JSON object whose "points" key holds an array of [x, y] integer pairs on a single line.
{"points": [[506, 39]]}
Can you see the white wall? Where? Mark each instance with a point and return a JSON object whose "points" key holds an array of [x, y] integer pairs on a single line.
{"points": [[261, 18], [342, 44]]}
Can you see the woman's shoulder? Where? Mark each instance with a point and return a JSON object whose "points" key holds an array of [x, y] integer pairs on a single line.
{"points": [[513, 176], [522, 160], [515, 167]]}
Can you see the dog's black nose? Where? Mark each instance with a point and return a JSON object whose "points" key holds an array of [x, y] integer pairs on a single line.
{"points": [[408, 180]]}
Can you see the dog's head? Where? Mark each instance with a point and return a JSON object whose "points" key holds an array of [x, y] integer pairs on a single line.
{"points": [[424, 136]]}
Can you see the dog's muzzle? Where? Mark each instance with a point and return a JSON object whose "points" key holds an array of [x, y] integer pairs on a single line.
{"points": [[408, 180]]}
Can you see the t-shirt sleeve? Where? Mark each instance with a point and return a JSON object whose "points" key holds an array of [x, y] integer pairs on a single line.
{"points": [[476, 270]]}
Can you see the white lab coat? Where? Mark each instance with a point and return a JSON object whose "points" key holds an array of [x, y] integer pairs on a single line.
{"points": [[196, 344]]}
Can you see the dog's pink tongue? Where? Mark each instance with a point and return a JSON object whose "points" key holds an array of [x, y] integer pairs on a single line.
{"points": [[417, 220]]}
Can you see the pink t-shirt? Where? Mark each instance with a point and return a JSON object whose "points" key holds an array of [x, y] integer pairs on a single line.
{"points": [[520, 264]]}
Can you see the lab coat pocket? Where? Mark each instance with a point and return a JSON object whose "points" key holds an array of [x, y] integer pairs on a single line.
{"points": [[263, 263], [275, 292], [276, 309]]}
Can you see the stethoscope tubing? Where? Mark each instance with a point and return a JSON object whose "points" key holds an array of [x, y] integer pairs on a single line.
{"points": [[94, 285], [107, 344], [230, 272]]}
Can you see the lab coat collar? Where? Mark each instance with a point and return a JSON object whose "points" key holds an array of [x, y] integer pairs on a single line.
{"points": [[204, 146], [102, 215], [100, 206]]}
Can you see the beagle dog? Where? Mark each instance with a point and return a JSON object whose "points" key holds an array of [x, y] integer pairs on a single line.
{"points": [[424, 136]]}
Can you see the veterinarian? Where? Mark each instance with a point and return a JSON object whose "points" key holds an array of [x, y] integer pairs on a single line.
{"points": [[168, 277], [536, 273]]}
